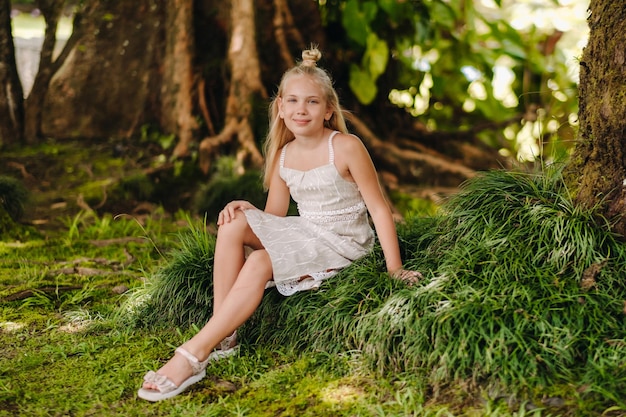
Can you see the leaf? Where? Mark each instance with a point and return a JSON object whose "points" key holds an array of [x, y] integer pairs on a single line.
{"points": [[356, 20], [370, 8], [442, 14], [376, 55], [362, 85]]}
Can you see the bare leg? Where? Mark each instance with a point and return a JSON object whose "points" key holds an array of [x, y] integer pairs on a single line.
{"points": [[235, 307], [229, 255]]}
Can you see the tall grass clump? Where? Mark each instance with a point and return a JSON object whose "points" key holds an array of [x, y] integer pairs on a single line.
{"points": [[179, 293], [526, 290], [522, 290], [13, 197]]}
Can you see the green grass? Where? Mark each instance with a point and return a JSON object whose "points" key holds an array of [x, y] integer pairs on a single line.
{"points": [[520, 313]]}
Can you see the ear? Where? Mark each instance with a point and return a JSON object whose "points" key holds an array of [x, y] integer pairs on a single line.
{"points": [[329, 114]]}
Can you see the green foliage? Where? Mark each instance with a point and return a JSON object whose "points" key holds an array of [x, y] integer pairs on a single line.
{"points": [[410, 206], [443, 61], [137, 186], [13, 200], [181, 292], [525, 289], [13, 197], [362, 345], [522, 290], [226, 186], [150, 134]]}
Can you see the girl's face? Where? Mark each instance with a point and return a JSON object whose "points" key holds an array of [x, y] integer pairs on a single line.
{"points": [[302, 106]]}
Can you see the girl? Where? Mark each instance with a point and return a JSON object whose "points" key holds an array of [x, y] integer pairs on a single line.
{"points": [[329, 173]]}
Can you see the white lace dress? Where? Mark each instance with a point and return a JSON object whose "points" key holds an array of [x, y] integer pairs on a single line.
{"points": [[330, 233]]}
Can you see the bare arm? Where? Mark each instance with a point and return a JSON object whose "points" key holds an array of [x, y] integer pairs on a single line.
{"points": [[361, 169], [278, 195]]}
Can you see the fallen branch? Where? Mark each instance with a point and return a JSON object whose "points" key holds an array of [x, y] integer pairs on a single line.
{"points": [[22, 295]]}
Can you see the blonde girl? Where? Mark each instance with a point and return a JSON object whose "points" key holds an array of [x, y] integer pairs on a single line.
{"points": [[311, 158]]}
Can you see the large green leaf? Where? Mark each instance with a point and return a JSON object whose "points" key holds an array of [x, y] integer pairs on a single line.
{"points": [[376, 55], [362, 84], [356, 19]]}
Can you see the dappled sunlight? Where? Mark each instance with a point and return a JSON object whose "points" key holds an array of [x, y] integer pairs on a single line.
{"points": [[77, 321], [534, 47], [10, 326], [341, 393]]}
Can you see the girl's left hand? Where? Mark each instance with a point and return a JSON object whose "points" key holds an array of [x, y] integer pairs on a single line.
{"points": [[228, 213], [409, 277]]}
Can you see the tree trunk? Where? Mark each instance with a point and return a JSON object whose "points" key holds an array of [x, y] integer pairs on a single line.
{"points": [[51, 10], [598, 165], [177, 103], [110, 83], [163, 63], [245, 82], [11, 93]]}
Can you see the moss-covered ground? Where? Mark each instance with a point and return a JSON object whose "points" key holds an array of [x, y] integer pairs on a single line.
{"points": [[520, 312]]}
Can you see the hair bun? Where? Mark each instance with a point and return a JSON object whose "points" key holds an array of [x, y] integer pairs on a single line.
{"points": [[310, 57]]}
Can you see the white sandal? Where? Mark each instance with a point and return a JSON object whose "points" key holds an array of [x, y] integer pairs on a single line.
{"points": [[165, 387], [227, 347]]}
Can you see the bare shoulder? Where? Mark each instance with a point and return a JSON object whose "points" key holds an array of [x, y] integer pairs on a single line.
{"points": [[348, 144], [351, 156]]}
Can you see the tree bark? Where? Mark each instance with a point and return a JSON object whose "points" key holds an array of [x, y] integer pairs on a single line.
{"points": [[33, 106], [597, 169], [109, 84], [177, 115], [245, 82], [11, 93]]}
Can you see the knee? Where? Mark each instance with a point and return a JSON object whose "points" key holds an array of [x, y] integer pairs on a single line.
{"points": [[235, 228], [259, 260]]}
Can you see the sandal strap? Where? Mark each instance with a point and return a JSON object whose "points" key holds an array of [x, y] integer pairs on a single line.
{"points": [[227, 343], [194, 362]]}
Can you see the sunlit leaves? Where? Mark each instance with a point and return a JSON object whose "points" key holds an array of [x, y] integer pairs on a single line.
{"points": [[356, 20], [435, 39], [363, 78], [376, 55], [362, 84]]}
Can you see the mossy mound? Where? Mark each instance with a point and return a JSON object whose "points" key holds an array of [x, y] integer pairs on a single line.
{"points": [[522, 291]]}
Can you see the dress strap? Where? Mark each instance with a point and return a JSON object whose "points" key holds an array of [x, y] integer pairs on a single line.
{"points": [[331, 152], [282, 155]]}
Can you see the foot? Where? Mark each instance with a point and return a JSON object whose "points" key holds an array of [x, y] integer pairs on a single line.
{"points": [[226, 348], [174, 377], [177, 369]]}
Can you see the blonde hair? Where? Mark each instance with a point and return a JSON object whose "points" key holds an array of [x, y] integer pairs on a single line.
{"points": [[278, 135]]}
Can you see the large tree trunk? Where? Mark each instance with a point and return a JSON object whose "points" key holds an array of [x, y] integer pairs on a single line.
{"points": [[51, 10], [11, 93], [598, 166], [110, 83], [245, 82], [177, 100]]}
